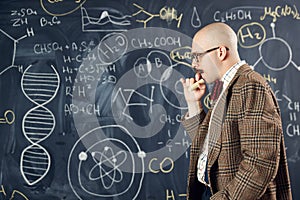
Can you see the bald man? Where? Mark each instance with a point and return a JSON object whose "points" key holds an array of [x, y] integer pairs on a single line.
{"points": [[238, 149]]}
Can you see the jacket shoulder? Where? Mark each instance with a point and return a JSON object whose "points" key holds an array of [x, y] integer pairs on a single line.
{"points": [[247, 75]]}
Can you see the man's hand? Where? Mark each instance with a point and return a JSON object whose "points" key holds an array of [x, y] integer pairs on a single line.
{"points": [[193, 98]]}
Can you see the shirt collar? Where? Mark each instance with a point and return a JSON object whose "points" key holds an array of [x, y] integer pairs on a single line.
{"points": [[228, 76]]}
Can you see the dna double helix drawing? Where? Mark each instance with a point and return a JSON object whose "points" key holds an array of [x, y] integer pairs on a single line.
{"points": [[39, 122]]}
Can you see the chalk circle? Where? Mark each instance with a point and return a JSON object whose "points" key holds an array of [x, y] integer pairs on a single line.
{"points": [[112, 47], [60, 7], [9, 116], [276, 54], [169, 80], [251, 35], [160, 62], [142, 67], [108, 166]]}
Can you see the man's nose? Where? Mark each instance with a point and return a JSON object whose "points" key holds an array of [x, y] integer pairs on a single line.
{"points": [[194, 65]]}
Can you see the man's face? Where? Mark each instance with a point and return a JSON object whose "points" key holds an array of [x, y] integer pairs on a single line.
{"points": [[205, 62]]}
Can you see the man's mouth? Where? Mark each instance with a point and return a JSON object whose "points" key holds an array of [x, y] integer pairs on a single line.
{"points": [[199, 71]]}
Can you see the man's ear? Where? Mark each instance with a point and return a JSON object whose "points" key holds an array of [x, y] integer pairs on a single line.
{"points": [[222, 52]]}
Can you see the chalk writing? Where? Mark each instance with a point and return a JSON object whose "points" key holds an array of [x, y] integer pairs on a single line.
{"points": [[79, 58], [238, 14], [170, 195], [23, 12], [8, 118], [269, 78], [251, 35], [47, 48], [157, 42], [281, 11], [112, 47], [168, 119], [166, 13], [293, 128], [20, 16], [51, 22], [170, 143], [159, 165], [79, 46], [182, 55], [170, 14], [90, 109]]}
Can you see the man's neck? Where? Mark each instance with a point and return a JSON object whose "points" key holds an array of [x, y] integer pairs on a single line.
{"points": [[227, 65]]}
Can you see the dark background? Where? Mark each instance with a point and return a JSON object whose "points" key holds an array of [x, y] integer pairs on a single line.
{"points": [[107, 93]]}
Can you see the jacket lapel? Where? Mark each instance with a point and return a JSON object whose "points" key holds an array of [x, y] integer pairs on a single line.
{"points": [[217, 118]]}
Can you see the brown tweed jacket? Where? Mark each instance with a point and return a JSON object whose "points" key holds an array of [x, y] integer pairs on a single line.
{"points": [[247, 158]]}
